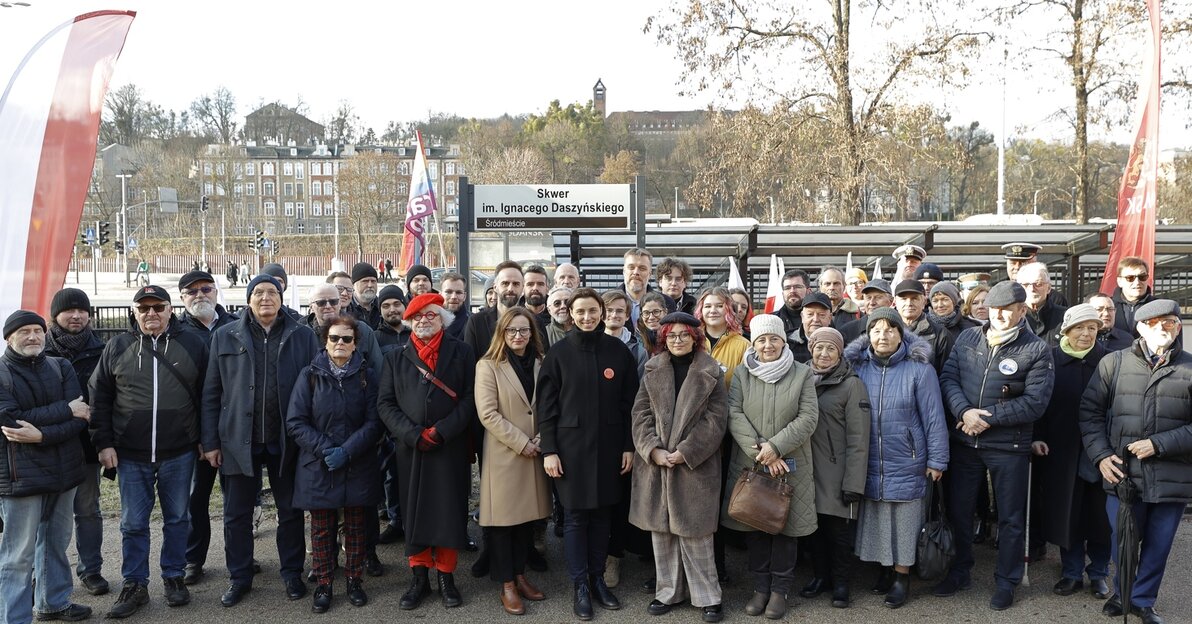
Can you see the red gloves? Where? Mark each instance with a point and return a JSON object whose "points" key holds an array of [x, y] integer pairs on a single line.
{"points": [[429, 440]]}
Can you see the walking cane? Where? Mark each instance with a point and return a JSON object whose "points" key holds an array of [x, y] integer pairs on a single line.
{"points": [[1026, 536]]}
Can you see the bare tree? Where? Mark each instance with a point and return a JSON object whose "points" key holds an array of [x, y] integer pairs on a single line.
{"points": [[369, 194], [216, 116]]}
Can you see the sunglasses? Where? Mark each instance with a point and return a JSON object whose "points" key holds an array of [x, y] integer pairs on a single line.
{"points": [[343, 289], [1165, 323], [206, 290], [157, 307], [1134, 278], [343, 339], [325, 303]]}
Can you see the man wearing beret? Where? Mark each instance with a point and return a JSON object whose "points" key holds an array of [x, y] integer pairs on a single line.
{"points": [[364, 298], [70, 337], [42, 413], [997, 383], [1145, 437], [250, 376], [145, 423]]}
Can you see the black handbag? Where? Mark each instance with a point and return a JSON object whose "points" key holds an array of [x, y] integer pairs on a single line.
{"points": [[936, 548]]}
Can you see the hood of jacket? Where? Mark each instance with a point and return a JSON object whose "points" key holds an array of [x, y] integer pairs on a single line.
{"points": [[912, 347]]}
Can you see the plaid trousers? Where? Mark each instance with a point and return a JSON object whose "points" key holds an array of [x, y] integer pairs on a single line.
{"points": [[322, 541], [685, 564]]}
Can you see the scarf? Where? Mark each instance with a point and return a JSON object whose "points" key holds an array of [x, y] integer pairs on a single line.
{"points": [[996, 337], [819, 373], [949, 320], [66, 344], [428, 351], [339, 372], [769, 372], [523, 367], [1066, 347]]}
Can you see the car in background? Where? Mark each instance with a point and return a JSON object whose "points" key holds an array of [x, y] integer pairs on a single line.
{"points": [[475, 284]]}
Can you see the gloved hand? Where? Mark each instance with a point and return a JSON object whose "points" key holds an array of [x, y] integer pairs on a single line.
{"points": [[429, 440], [850, 498], [335, 458]]}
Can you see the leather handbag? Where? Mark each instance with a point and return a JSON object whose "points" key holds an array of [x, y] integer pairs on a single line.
{"points": [[761, 501], [936, 548]]}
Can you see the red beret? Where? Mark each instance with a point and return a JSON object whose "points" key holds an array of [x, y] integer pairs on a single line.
{"points": [[421, 301]]}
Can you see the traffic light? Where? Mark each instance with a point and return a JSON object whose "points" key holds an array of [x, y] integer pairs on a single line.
{"points": [[102, 227], [274, 246], [119, 247], [83, 240], [260, 240], [204, 203]]}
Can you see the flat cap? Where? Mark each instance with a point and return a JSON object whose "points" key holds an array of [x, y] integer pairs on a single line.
{"points": [[1155, 309], [879, 285], [1020, 251], [191, 277], [1005, 294], [817, 298], [913, 251], [151, 292]]}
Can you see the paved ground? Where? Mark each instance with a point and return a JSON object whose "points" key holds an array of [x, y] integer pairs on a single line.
{"points": [[267, 602]]}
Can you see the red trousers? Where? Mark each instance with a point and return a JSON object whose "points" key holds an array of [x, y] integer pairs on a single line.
{"points": [[441, 559]]}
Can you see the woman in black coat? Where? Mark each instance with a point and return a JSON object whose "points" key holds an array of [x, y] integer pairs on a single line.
{"points": [[1074, 517], [430, 422], [333, 420], [586, 391]]}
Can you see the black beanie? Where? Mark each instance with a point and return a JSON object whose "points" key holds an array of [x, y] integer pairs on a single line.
{"points": [[276, 270], [362, 270], [418, 269], [21, 318], [69, 299], [392, 291]]}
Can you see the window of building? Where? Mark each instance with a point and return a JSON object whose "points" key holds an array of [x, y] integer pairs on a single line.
{"points": [[270, 228], [270, 209], [451, 187], [452, 209], [403, 168], [299, 171], [301, 228], [237, 189], [266, 168], [316, 169], [220, 169], [300, 207], [449, 168], [316, 209], [206, 168], [287, 189], [237, 168], [403, 188], [432, 168], [250, 189], [267, 188], [289, 209], [287, 168], [328, 188], [316, 188], [250, 168], [300, 188], [289, 228], [208, 188]]}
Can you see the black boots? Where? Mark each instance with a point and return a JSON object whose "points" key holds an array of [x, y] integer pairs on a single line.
{"points": [[419, 589], [815, 587], [447, 590], [581, 602], [840, 595], [885, 579], [900, 591], [603, 595]]}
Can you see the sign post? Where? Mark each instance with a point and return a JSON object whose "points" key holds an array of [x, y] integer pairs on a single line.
{"points": [[519, 207]]}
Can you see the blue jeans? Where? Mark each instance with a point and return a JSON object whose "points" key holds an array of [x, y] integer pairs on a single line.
{"points": [[36, 529], [1157, 524], [138, 480], [88, 523], [585, 541]]}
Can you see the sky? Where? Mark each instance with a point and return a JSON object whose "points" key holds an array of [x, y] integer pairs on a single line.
{"points": [[398, 61]]}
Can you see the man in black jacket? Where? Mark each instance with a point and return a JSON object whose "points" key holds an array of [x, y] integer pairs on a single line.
{"points": [[1043, 315], [911, 302], [1114, 338], [70, 337], [454, 288], [144, 394], [508, 281], [1136, 421], [795, 285], [997, 382], [364, 298], [673, 276], [1132, 292], [42, 413], [392, 333]]}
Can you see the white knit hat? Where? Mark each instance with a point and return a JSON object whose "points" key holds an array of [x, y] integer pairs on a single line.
{"points": [[1078, 314], [763, 324]]}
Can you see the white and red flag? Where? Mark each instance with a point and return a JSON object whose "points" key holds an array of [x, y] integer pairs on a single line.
{"points": [[1137, 210], [774, 286], [50, 109], [420, 206]]}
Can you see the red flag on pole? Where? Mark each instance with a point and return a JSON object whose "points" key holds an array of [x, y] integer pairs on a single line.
{"points": [[1137, 210], [420, 205]]}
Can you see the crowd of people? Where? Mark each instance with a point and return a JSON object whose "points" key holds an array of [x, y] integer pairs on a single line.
{"points": [[624, 416]]}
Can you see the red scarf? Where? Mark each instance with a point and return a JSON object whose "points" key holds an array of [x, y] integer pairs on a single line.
{"points": [[428, 352]]}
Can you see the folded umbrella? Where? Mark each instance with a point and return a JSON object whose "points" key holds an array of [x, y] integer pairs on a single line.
{"points": [[1128, 540]]}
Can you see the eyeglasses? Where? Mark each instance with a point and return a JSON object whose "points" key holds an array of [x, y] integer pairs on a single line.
{"points": [[1035, 285], [653, 313], [425, 316], [343, 289], [561, 303], [1166, 323], [514, 332], [206, 290], [157, 307], [1134, 278], [325, 303], [678, 337], [339, 338]]}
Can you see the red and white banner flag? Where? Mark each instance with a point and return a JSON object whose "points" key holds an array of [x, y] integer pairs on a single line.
{"points": [[50, 110], [1137, 210], [773, 286], [418, 208]]}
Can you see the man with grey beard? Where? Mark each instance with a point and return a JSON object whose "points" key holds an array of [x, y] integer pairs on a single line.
{"points": [[364, 283], [560, 317], [199, 295]]}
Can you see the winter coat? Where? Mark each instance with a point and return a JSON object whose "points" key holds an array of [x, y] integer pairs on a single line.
{"points": [[457, 326], [1115, 339], [433, 485], [938, 338], [40, 395], [908, 433], [1046, 322], [190, 322], [480, 329], [325, 413], [390, 338], [1012, 381], [514, 489], [84, 363], [228, 395], [1066, 463], [1127, 401], [1125, 310], [367, 346], [370, 316], [138, 406], [785, 414], [585, 397], [845, 313], [682, 500], [729, 352], [840, 444]]}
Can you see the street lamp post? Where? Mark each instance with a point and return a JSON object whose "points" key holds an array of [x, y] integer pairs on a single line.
{"points": [[122, 223]]}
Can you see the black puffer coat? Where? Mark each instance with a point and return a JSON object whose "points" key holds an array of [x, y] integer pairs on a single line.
{"points": [[84, 363], [1128, 401], [1012, 381], [1125, 310], [40, 396]]}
